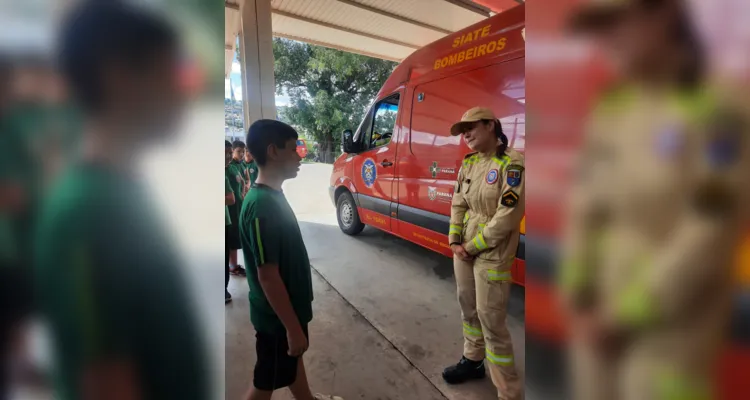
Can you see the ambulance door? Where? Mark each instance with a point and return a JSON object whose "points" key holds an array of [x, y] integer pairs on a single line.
{"points": [[374, 165]]}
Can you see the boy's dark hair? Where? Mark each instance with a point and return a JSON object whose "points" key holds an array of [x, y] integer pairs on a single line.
{"points": [[238, 144], [227, 145], [266, 132], [97, 34]]}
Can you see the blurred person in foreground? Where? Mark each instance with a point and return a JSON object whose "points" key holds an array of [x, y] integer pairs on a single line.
{"points": [[119, 311], [279, 273], [657, 210], [15, 290]]}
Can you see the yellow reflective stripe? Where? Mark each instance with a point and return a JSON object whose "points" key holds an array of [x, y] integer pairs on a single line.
{"points": [[472, 331], [466, 217], [636, 307], [494, 275], [261, 254], [504, 360], [502, 162], [481, 244], [673, 386], [471, 160], [481, 226], [455, 229]]}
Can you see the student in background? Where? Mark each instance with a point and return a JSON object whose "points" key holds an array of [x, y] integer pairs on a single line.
{"points": [[229, 200], [235, 175]]}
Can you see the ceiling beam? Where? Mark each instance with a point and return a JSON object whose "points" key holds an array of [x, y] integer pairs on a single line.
{"points": [[395, 16], [467, 5], [343, 29], [336, 47]]}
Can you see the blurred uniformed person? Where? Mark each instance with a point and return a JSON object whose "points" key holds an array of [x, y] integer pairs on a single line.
{"points": [[488, 204], [656, 212]]}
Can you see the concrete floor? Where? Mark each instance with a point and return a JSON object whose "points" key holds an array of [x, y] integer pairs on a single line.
{"points": [[386, 320]]}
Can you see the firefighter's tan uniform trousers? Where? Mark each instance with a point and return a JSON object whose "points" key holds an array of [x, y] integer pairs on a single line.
{"points": [[486, 213], [656, 214]]}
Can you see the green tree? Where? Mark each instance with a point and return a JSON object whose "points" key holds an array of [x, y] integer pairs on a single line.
{"points": [[329, 90]]}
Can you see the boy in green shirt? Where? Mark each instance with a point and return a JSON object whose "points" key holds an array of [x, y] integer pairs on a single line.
{"points": [[120, 314], [279, 274], [235, 174]]}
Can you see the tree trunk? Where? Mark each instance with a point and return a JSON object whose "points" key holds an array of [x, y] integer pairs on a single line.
{"points": [[328, 146]]}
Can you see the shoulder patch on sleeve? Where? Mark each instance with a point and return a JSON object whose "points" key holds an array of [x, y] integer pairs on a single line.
{"points": [[509, 199], [514, 174], [725, 140]]}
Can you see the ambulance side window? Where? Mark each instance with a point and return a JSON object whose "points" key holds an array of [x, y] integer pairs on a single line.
{"points": [[383, 123]]}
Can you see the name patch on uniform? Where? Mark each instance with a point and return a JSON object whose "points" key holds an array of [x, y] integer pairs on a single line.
{"points": [[491, 177], [515, 174], [509, 199], [238, 178]]}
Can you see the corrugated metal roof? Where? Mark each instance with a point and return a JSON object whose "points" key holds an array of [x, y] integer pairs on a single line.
{"points": [[390, 29]]}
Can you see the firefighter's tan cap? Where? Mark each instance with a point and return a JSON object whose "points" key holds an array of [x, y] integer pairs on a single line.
{"points": [[473, 115], [593, 14]]}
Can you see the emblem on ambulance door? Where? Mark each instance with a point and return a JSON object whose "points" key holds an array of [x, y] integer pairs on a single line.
{"points": [[432, 193], [492, 176], [369, 172]]}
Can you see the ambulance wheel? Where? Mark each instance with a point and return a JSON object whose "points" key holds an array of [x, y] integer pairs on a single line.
{"points": [[347, 215]]}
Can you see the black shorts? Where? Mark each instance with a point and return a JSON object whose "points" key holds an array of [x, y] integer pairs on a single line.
{"points": [[275, 369], [233, 231]]}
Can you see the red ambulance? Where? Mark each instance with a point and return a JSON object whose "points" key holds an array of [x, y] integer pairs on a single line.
{"points": [[399, 167]]}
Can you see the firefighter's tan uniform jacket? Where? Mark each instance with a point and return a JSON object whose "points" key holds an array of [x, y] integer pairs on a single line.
{"points": [[487, 208], [658, 205], [486, 212]]}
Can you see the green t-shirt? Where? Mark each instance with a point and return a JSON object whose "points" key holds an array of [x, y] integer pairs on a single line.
{"points": [[111, 287], [227, 190], [252, 170], [29, 133], [236, 178], [270, 234]]}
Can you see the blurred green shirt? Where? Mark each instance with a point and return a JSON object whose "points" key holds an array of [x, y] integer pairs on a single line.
{"points": [[30, 133], [252, 170], [227, 190], [112, 289]]}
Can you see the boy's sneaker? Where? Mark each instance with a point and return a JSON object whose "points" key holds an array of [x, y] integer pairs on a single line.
{"points": [[464, 371], [227, 297], [238, 270], [319, 396]]}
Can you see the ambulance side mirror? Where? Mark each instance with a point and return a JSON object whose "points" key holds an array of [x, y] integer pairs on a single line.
{"points": [[347, 143]]}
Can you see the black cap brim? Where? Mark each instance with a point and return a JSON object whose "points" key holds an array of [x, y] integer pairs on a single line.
{"points": [[460, 127]]}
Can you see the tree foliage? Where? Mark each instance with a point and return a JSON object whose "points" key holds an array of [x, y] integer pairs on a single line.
{"points": [[329, 90]]}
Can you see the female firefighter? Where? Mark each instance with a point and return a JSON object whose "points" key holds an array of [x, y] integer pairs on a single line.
{"points": [[488, 204], [657, 208]]}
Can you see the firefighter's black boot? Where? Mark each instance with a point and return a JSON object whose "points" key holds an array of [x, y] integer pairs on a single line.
{"points": [[465, 370]]}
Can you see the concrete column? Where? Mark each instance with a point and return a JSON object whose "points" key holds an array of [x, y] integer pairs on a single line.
{"points": [[256, 51]]}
